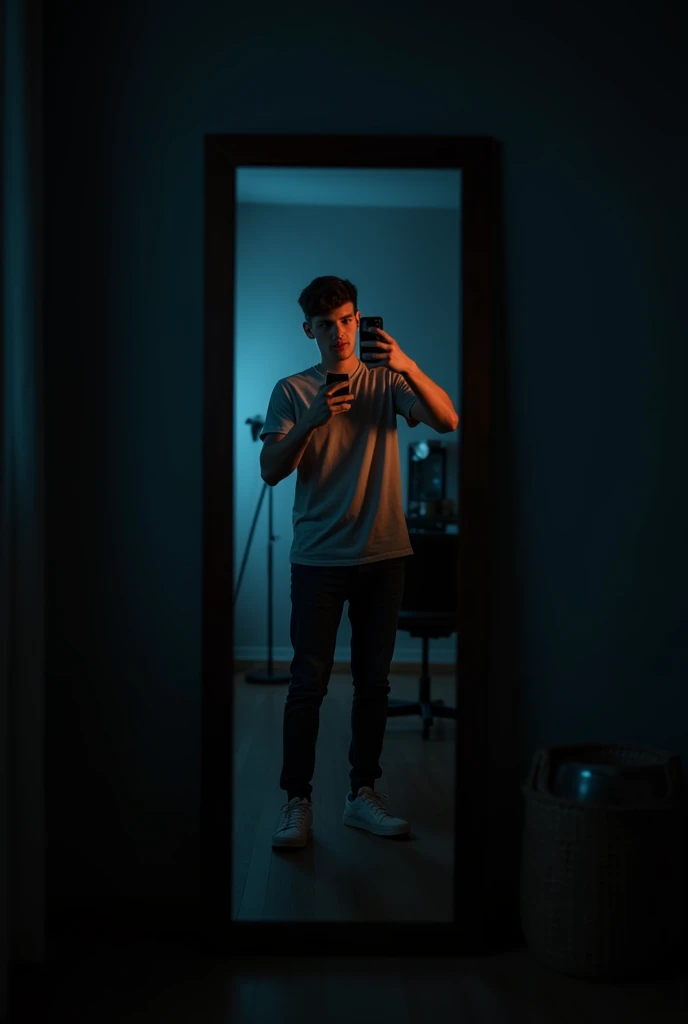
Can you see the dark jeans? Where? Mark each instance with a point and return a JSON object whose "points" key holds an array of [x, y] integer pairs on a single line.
{"points": [[374, 592]]}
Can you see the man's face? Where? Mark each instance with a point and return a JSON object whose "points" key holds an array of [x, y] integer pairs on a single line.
{"points": [[335, 333]]}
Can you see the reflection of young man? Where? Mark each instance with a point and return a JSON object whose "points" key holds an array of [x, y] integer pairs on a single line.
{"points": [[350, 540]]}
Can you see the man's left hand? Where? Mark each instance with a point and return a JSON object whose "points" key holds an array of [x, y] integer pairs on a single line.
{"points": [[391, 355]]}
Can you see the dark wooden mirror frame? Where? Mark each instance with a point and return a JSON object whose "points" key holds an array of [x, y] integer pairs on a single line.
{"points": [[484, 741]]}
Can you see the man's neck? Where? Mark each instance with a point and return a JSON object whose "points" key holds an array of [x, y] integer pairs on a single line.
{"points": [[349, 366]]}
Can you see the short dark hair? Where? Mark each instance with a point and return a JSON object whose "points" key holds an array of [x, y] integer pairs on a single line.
{"points": [[326, 293]]}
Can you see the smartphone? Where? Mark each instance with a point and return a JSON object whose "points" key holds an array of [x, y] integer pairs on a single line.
{"points": [[368, 339], [332, 378]]}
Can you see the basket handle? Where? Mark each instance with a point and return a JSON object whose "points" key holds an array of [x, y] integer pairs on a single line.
{"points": [[539, 775]]}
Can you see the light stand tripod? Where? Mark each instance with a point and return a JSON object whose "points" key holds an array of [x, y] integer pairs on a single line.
{"points": [[269, 676]]}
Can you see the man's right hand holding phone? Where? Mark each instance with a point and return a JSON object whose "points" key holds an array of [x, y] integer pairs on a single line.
{"points": [[326, 404]]}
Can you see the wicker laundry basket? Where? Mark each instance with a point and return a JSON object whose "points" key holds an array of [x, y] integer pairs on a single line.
{"points": [[603, 886]]}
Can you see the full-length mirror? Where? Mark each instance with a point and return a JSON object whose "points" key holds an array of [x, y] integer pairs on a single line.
{"points": [[345, 543]]}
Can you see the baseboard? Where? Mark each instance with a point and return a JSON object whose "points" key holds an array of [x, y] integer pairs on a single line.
{"points": [[401, 668], [441, 651]]}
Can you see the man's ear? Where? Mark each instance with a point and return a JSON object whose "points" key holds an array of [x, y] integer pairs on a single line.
{"points": [[308, 331]]}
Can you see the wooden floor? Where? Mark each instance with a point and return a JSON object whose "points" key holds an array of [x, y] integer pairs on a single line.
{"points": [[142, 980], [344, 874]]}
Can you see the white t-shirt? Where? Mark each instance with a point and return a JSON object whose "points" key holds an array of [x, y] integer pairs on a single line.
{"points": [[348, 506]]}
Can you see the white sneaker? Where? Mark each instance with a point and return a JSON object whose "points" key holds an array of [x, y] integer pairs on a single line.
{"points": [[367, 811], [295, 824]]}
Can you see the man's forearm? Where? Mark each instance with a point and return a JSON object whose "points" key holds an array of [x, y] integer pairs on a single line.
{"points": [[434, 398], [278, 460]]}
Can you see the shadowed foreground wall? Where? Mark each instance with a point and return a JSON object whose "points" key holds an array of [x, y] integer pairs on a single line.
{"points": [[592, 499]]}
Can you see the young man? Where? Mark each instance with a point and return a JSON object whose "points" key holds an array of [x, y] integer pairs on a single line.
{"points": [[350, 540]]}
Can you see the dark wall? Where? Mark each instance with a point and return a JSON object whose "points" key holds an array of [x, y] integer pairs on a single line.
{"points": [[587, 106]]}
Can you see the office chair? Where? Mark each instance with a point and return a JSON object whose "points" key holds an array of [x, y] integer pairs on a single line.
{"points": [[429, 610]]}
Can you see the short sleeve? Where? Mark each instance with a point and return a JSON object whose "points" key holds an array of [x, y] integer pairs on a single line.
{"points": [[404, 397], [280, 417]]}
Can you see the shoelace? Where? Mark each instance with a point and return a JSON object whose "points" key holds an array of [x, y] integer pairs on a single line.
{"points": [[376, 799], [294, 813]]}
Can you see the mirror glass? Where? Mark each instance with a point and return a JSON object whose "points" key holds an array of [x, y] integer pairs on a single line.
{"points": [[395, 234]]}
